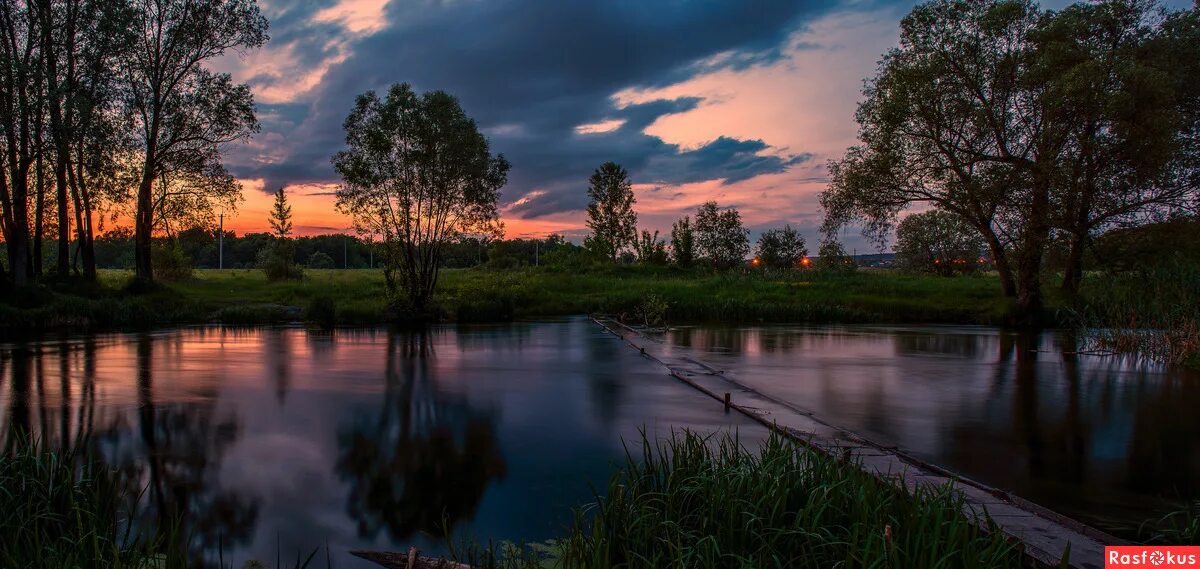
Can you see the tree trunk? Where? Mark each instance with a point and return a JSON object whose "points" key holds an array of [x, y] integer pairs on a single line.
{"points": [[1073, 273], [143, 225], [39, 216], [1000, 259], [19, 263], [63, 266], [1034, 238]]}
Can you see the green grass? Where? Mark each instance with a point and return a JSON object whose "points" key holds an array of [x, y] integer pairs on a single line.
{"points": [[1152, 313], [58, 513], [694, 501], [359, 297]]}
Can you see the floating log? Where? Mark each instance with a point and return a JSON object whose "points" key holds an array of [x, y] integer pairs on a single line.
{"points": [[411, 560]]}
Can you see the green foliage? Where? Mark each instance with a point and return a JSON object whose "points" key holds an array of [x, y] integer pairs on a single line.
{"points": [[707, 501], [319, 260], [653, 311], [832, 258], [1143, 246], [683, 243], [281, 216], [651, 250], [1181, 527], [1105, 132], [781, 248], [276, 260], [417, 172], [169, 262], [322, 310], [937, 242], [610, 212], [720, 236], [63, 511], [245, 296], [1152, 313]]}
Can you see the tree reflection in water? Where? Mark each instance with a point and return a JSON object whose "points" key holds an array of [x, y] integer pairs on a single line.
{"points": [[166, 456], [424, 462]]}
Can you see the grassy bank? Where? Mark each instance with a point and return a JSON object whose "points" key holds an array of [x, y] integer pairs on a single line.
{"points": [[359, 297]]}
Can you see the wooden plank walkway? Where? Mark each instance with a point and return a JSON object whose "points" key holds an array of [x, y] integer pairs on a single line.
{"points": [[1046, 537]]}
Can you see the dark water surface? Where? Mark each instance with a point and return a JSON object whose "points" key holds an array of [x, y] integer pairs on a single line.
{"points": [[362, 439], [1104, 441]]}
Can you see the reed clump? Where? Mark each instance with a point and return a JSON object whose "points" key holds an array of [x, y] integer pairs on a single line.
{"points": [[696, 501]]}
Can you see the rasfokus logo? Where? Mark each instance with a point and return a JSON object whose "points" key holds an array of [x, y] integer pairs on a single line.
{"points": [[1145, 556]]}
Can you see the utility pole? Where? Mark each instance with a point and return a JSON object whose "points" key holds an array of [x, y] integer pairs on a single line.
{"points": [[221, 241], [345, 256]]}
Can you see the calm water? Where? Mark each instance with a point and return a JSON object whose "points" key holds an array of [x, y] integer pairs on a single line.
{"points": [[1101, 440], [380, 439], [358, 439]]}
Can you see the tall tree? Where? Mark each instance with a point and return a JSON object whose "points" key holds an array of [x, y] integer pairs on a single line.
{"points": [[781, 248], [610, 211], [417, 172], [720, 236], [651, 250], [185, 113], [950, 120], [20, 89], [99, 134], [1122, 78], [281, 215], [683, 242]]}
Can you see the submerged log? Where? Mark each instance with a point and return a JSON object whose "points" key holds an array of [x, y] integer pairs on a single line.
{"points": [[410, 560]]}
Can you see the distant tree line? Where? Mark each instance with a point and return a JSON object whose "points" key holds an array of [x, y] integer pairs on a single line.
{"points": [[199, 247]]}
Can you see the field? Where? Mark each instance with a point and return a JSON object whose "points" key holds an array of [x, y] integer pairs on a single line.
{"points": [[359, 297]]}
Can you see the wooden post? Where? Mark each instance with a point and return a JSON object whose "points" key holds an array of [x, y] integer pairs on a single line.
{"points": [[726, 402]]}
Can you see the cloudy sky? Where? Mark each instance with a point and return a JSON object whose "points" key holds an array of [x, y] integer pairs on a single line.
{"points": [[728, 100]]}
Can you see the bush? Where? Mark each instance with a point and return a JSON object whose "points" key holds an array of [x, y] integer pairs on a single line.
{"points": [[276, 262], [322, 311], [319, 260], [833, 260], [1153, 313], [169, 262]]}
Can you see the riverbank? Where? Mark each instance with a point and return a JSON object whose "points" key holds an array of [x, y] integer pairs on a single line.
{"points": [[358, 297]]}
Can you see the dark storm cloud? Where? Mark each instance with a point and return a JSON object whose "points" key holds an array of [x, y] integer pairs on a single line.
{"points": [[531, 71]]}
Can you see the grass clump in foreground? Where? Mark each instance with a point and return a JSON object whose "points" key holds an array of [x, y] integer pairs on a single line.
{"points": [[695, 501], [60, 514], [61, 510]]}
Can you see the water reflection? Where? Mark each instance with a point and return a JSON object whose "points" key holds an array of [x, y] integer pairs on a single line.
{"points": [[276, 440], [423, 461], [1102, 440]]}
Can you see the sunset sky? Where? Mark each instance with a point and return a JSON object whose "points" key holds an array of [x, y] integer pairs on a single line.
{"points": [[739, 102]]}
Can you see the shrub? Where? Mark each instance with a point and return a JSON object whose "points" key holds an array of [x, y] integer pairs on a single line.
{"points": [[781, 248], [322, 311], [169, 262], [319, 260], [276, 262]]}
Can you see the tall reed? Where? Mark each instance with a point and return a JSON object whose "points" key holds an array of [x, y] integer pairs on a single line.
{"points": [[695, 501]]}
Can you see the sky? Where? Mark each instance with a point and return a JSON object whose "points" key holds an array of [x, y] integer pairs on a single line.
{"points": [[739, 102]]}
